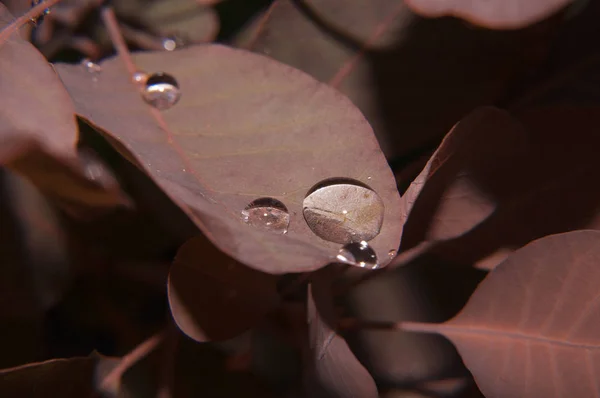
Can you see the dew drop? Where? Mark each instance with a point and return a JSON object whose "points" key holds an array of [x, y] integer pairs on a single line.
{"points": [[392, 253], [267, 214], [359, 254], [161, 91], [343, 211], [139, 77], [92, 68], [39, 19], [169, 44]]}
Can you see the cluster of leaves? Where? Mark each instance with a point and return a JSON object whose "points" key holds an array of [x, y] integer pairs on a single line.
{"points": [[121, 233]]}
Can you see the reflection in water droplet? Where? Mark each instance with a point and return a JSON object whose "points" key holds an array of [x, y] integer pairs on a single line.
{"points": [[139, 77], [169, 44], [95, 169], [40, 19], [343, 211], [268, 214], [162, 91], [358, 254], [93, 68], [392, 253]]}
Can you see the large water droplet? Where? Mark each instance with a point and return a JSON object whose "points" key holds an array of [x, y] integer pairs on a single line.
{"points": [[268, 214], [359, 254], [343, 211], [161, 91]]}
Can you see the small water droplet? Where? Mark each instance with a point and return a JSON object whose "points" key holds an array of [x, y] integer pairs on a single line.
{"points": [[343, 211], [392, 253], [368, 178], [169, 44], [161, 91], [359, 254], [92, 68], [139, 77], [40, 19], [268, 214]]}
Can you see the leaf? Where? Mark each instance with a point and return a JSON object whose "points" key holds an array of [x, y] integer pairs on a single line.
{"points": [[399, 69], [213, 297], [186, 20], [41, 240], [65, 378], [334, 371], [38, 134], [531, 327], [495, 184], [246, 127], [498, 14]]}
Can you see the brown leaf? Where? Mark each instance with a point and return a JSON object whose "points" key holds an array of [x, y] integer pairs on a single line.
{"points": [[495, 184], [38, 134], [246, 127], [399, 69], [333, 369], [65, 378], [213, 297], [41, 239], [186, 20], [498, 14], [531, 327]]}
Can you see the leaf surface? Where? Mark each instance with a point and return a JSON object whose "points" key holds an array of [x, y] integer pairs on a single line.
{"points": [[531, 327], [213, 297], [68, 378], [38, 134], [497, 183], [499, 14], [246, 127], [399, 69], [333, 370], [185, 20]]}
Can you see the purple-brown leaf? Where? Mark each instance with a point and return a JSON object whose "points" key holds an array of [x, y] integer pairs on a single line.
{"points": [[499, 14], [412, 77], [38, 133], [65, 378], [495, 184], [245, 128], [213, 297], [333, 369], [531, 327]]}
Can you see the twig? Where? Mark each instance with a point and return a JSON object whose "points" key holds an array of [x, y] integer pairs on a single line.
{"points": [[114, 32], [353, 323], [130, 359], [167, 367], [406, 326], [25, 18], [141, 39], [261, 26], [349, 66]]}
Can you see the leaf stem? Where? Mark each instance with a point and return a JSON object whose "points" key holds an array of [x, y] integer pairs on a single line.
{"points": [[420, 327], [114, 32], [34, 12], [130, 359]]}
